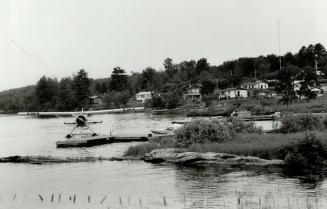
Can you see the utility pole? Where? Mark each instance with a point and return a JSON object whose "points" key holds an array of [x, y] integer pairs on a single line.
{"points": [[231, 78], [316, 64], [280, 59]]}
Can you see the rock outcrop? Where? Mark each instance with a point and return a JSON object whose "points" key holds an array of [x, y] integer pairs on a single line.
{"points": [[180, 157], [51, 160]]}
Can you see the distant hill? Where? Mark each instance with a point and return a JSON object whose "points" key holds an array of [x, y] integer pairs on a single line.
{"points": [[13, 100]]}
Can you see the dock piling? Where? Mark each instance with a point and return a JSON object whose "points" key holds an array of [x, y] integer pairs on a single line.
{"points": [[14, 197], [41, 198], [164, 201]]}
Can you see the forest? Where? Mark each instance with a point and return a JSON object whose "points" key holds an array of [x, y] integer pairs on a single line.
{"points": [[117, 90]]}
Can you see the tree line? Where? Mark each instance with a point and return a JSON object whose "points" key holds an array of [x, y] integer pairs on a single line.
{"points": [[72, 93]]}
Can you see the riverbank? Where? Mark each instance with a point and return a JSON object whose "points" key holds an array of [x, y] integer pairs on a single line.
{"points": [[257, 107]]}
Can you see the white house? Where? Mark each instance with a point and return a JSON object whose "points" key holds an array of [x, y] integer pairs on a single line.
{"points": [[232, 93], [143, 95], [255, 85], [193, 92]]}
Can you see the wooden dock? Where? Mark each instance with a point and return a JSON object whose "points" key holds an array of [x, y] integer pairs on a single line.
{"points": [[100, 140]]}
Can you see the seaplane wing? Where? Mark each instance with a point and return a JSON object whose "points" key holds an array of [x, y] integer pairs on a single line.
{"points": [[90, 122], [89, 112]]}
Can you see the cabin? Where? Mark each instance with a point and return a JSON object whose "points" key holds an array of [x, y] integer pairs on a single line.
{"points": [[232, 93], [297, 84], [193, 92], [255, 85], [143, 95], [95, 100]]}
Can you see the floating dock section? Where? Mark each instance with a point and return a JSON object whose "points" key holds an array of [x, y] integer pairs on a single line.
{"points": [[100, 140]]}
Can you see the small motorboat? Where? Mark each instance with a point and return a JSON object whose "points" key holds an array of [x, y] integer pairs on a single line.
{"points": [[169, 130], [165, 131]]}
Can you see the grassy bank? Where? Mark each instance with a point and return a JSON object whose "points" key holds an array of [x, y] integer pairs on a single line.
{"points": [[267, 146], [301, 141]]}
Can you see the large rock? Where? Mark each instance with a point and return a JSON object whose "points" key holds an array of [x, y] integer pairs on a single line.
{"points": [[178, 156]]}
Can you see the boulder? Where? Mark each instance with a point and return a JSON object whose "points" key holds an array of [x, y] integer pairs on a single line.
{"points": [[182, 157]]}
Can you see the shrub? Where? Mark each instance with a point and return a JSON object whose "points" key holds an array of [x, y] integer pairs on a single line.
{"points": [[302, 122], [239, 126], [202, 131], [306, 154]]}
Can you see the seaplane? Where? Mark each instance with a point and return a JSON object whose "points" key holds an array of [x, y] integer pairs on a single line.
{"points": [[81, 124], [82, 135]]}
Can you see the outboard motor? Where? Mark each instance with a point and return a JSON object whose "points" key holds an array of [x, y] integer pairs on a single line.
{"points": [[81, 121]]}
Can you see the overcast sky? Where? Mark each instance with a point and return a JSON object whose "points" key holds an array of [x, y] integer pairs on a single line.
{"points": [[59, 37]]}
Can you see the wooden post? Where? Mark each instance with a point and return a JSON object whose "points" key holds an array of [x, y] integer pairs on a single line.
{"points": [[52, 196], [74, 200], [103, 199], [59, 197], [41, 198], [164, 201], [89, 198], [14, 197], [184, 200]]}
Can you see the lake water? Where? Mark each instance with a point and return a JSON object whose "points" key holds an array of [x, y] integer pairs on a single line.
{"points": [[133, 184]]}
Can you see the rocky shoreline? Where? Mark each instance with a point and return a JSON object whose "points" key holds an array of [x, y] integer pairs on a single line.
{"points": [[181, 157], [167, 155]]}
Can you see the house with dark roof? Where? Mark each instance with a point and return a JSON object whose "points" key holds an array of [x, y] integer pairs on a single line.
{"points": [[193, 92], [255, 85]]}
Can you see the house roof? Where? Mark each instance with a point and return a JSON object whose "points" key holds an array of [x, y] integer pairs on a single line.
{"points": [[144, 92], [94, 97], [252, 83], [194, 86]]}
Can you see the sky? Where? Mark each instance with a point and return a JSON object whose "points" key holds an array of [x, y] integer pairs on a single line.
{"points": [[57, 38]]}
